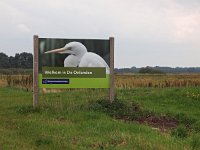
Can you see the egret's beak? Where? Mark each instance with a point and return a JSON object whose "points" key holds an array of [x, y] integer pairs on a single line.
{"points": [[59, 50]]}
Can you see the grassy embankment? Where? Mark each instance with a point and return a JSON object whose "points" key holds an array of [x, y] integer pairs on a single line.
{"points": [[77, 119]]}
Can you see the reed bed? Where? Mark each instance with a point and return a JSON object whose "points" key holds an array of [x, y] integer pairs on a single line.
{"points": [[18, 81], [157, 81], [121, 81]]}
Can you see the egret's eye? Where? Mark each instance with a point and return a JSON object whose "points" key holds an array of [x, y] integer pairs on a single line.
{"points": [[69, 48]]}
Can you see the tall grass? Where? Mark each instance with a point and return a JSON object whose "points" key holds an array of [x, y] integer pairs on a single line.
{"points": [[18, 81], [157, 81], [25, 81]]}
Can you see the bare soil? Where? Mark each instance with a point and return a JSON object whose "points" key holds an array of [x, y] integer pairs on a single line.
{"points": [[163, 123]]}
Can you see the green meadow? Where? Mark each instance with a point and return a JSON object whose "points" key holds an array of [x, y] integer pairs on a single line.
{"points": [[140, 118]]}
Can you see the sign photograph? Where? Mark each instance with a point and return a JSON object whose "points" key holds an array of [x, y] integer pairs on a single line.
{"points": [[74, 63]]}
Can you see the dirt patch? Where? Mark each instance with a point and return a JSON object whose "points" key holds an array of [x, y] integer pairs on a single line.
{"points": [[133, 112], [162, 123]]}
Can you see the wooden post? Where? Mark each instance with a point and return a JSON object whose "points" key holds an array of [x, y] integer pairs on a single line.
{"points": [[35, 72], [111, 90]]}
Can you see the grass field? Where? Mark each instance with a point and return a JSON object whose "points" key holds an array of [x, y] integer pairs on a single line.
{"points": [[80, 119]]}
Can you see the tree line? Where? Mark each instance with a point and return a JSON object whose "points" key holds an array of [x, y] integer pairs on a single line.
{"points": [[20, 60], [158, 70], [24, 60]]}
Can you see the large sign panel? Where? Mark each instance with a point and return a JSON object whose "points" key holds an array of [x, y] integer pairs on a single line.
{"points": [[74, 63]]}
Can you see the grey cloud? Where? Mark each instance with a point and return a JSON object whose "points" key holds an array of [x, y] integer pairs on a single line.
{"points": [[150, 32]]}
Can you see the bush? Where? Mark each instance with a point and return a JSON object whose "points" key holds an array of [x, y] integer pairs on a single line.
{"points": [[120, 110], [150, 70]]}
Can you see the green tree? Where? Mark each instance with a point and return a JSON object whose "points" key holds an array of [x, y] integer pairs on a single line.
{"points": [[25, 60], [150, 70], [12, 62], [22, 60], [4, 61]]}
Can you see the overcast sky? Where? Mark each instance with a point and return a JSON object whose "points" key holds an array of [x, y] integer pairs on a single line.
{"points": [[147, 32]]}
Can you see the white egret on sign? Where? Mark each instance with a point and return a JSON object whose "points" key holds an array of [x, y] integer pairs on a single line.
{"points": [[80, 57], [71, 61]]}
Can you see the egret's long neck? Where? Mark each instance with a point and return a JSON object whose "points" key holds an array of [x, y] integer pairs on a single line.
{"points": [[83, 52]]}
